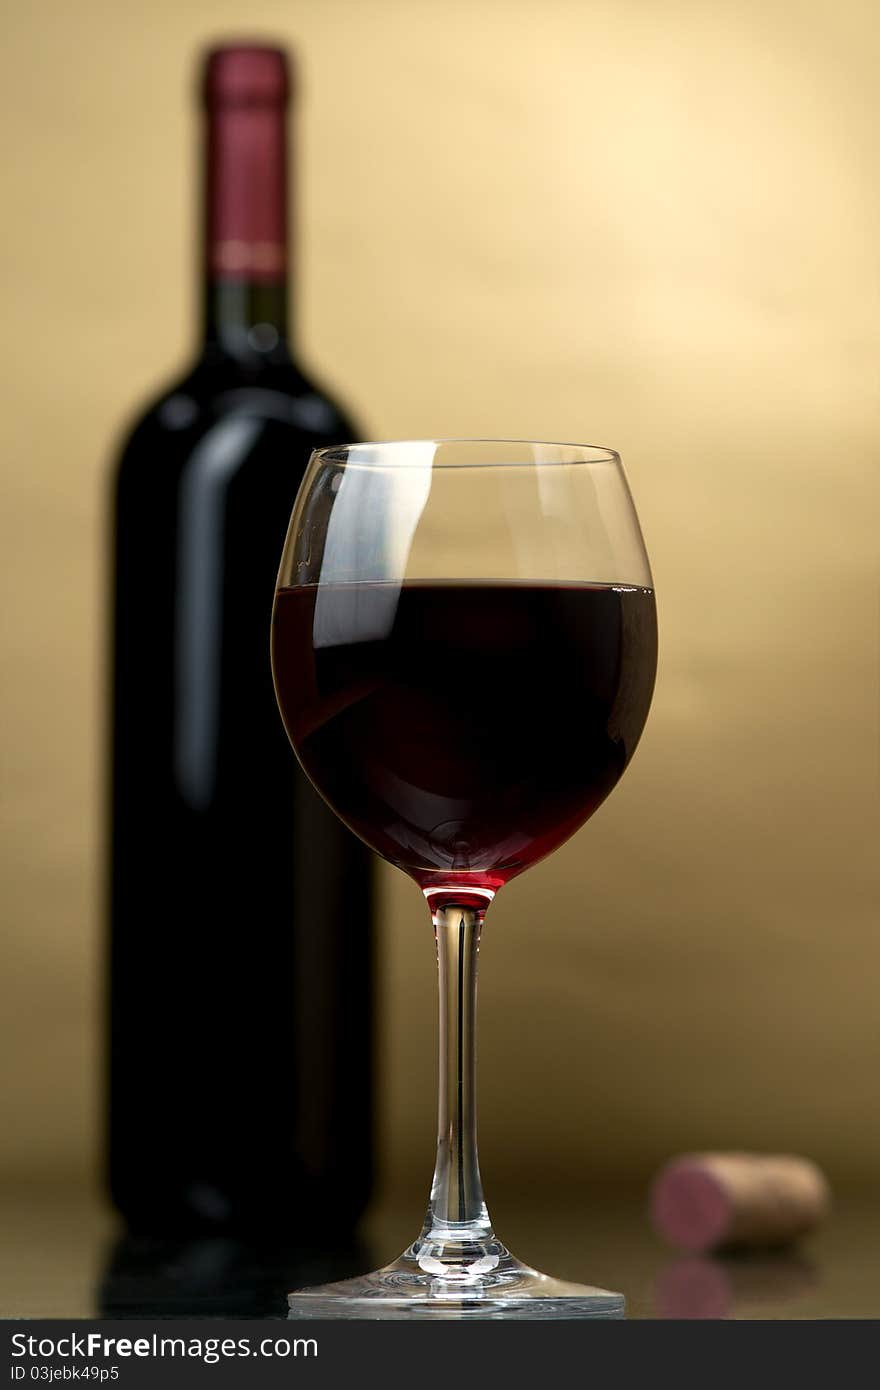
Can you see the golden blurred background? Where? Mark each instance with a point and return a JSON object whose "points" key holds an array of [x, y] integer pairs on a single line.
{"points": [[648, 226]]}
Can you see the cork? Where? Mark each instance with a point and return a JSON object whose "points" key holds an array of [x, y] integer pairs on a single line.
{"points": [[721, 1201]]}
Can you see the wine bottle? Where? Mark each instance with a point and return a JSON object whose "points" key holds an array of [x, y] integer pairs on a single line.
{"points": [[240, 926]]}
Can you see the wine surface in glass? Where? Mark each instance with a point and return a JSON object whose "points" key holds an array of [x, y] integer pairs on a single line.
{"points": [[464, 730]]}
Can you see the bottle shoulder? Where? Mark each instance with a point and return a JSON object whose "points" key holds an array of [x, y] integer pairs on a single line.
{"points": [[215, 396]]}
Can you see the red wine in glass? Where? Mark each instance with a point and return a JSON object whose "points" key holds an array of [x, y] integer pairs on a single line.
{"points": [[464, 730]]}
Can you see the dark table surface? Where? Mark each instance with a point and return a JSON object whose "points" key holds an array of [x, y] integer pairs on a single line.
{"points": [[63, 1255]]}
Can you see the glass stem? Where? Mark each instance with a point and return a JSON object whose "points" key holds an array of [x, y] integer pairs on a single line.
{"points": [[457, 1227]]}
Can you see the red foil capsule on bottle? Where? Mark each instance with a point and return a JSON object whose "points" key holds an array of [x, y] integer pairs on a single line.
{"points": [[246, 91]]}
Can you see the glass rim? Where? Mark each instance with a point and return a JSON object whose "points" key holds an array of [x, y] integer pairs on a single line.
{"points": [[582, 454]]}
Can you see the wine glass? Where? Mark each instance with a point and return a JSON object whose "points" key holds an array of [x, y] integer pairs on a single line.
{"points": [[464, 644]]}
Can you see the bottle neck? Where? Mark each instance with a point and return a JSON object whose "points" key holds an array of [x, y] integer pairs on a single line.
{"points": [[246, 320], [245, 230]]}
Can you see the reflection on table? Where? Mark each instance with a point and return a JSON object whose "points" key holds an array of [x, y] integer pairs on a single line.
{"points": [[743, 1286], [62, 1256], [214, 1276]]}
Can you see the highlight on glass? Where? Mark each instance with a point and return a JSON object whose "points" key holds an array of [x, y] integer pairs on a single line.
{"points": [[464, 644]]}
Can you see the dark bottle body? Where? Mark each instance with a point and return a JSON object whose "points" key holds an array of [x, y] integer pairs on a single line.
{"points": [[240, 933]]}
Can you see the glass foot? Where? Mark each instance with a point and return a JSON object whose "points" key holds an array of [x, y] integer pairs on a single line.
{"points": [[410, 1288]]}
